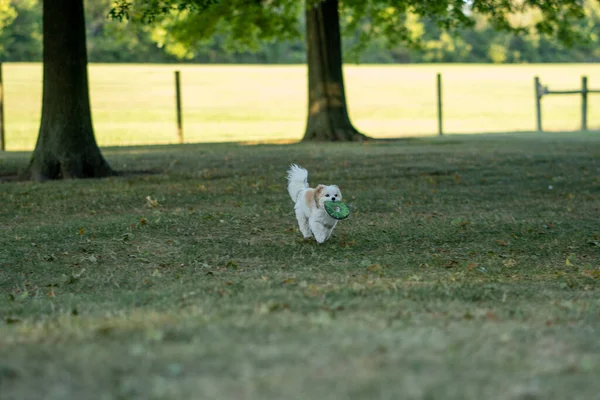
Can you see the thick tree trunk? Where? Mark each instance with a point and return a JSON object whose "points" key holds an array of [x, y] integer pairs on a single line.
{"points": [[328, 118], [66, 146]]}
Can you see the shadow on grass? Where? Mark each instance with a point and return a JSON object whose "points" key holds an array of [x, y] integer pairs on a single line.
{"points": [[12, 177], [13, 163]]}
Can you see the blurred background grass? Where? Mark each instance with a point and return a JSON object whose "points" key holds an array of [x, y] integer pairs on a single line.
{"points": [[135, 104]]}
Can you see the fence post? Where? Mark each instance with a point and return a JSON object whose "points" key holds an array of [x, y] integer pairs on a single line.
{"points": [[538, 103], [584, 102], [439, 104], [2, 141], [178, 105]]}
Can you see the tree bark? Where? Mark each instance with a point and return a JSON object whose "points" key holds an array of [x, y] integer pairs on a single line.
{"points": [[328, 118], [66, 147]]}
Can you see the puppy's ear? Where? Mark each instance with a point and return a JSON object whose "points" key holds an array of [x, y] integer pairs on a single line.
{"points": [[319, 193]]}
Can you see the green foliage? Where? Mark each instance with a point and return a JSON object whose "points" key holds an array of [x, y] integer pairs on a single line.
{"points": [[240, 31], [20, 30], [7, 14], [108, 41], [113, 41], [244, 22]]}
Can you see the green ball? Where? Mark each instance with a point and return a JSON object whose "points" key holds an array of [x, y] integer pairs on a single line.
{"points": [[337, 209]]}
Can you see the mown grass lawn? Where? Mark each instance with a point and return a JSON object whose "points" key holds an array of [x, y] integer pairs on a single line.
{"points": [[469, 269]]}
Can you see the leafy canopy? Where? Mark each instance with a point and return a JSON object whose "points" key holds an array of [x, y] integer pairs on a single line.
{"points": [[247, 22]]}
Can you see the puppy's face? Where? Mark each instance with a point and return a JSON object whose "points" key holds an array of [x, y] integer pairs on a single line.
{"points": [[327, 193]]}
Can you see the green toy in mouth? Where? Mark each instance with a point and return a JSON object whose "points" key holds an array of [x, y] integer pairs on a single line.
{"points": [[337, 209]]}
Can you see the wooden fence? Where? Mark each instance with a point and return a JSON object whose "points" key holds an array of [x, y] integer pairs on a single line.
{"points": [[541, 91], [2, 141]]}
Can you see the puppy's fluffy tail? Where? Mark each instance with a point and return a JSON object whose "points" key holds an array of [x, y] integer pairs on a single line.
{"points": [[297, 181]]}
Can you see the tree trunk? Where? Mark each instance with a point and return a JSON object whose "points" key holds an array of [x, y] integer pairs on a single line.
{"points": [[66, 146], [328, 118]]}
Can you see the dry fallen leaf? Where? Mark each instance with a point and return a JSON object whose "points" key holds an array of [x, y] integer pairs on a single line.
{"points": [[491, 316], [150, 202], [568, 262], [509, 263]]}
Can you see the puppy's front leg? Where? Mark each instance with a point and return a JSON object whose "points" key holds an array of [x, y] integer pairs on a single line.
{"points": [[330, 231], [303, 224], [319, 231]]}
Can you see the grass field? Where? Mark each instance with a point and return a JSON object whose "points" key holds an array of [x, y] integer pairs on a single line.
{"points": [[134, 104], [469, 269]]}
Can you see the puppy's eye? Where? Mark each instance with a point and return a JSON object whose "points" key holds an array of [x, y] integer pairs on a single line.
{"points": [[326, 195]]}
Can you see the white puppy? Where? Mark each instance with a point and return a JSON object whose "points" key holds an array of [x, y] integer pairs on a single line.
{"points": [[310, 212]]}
